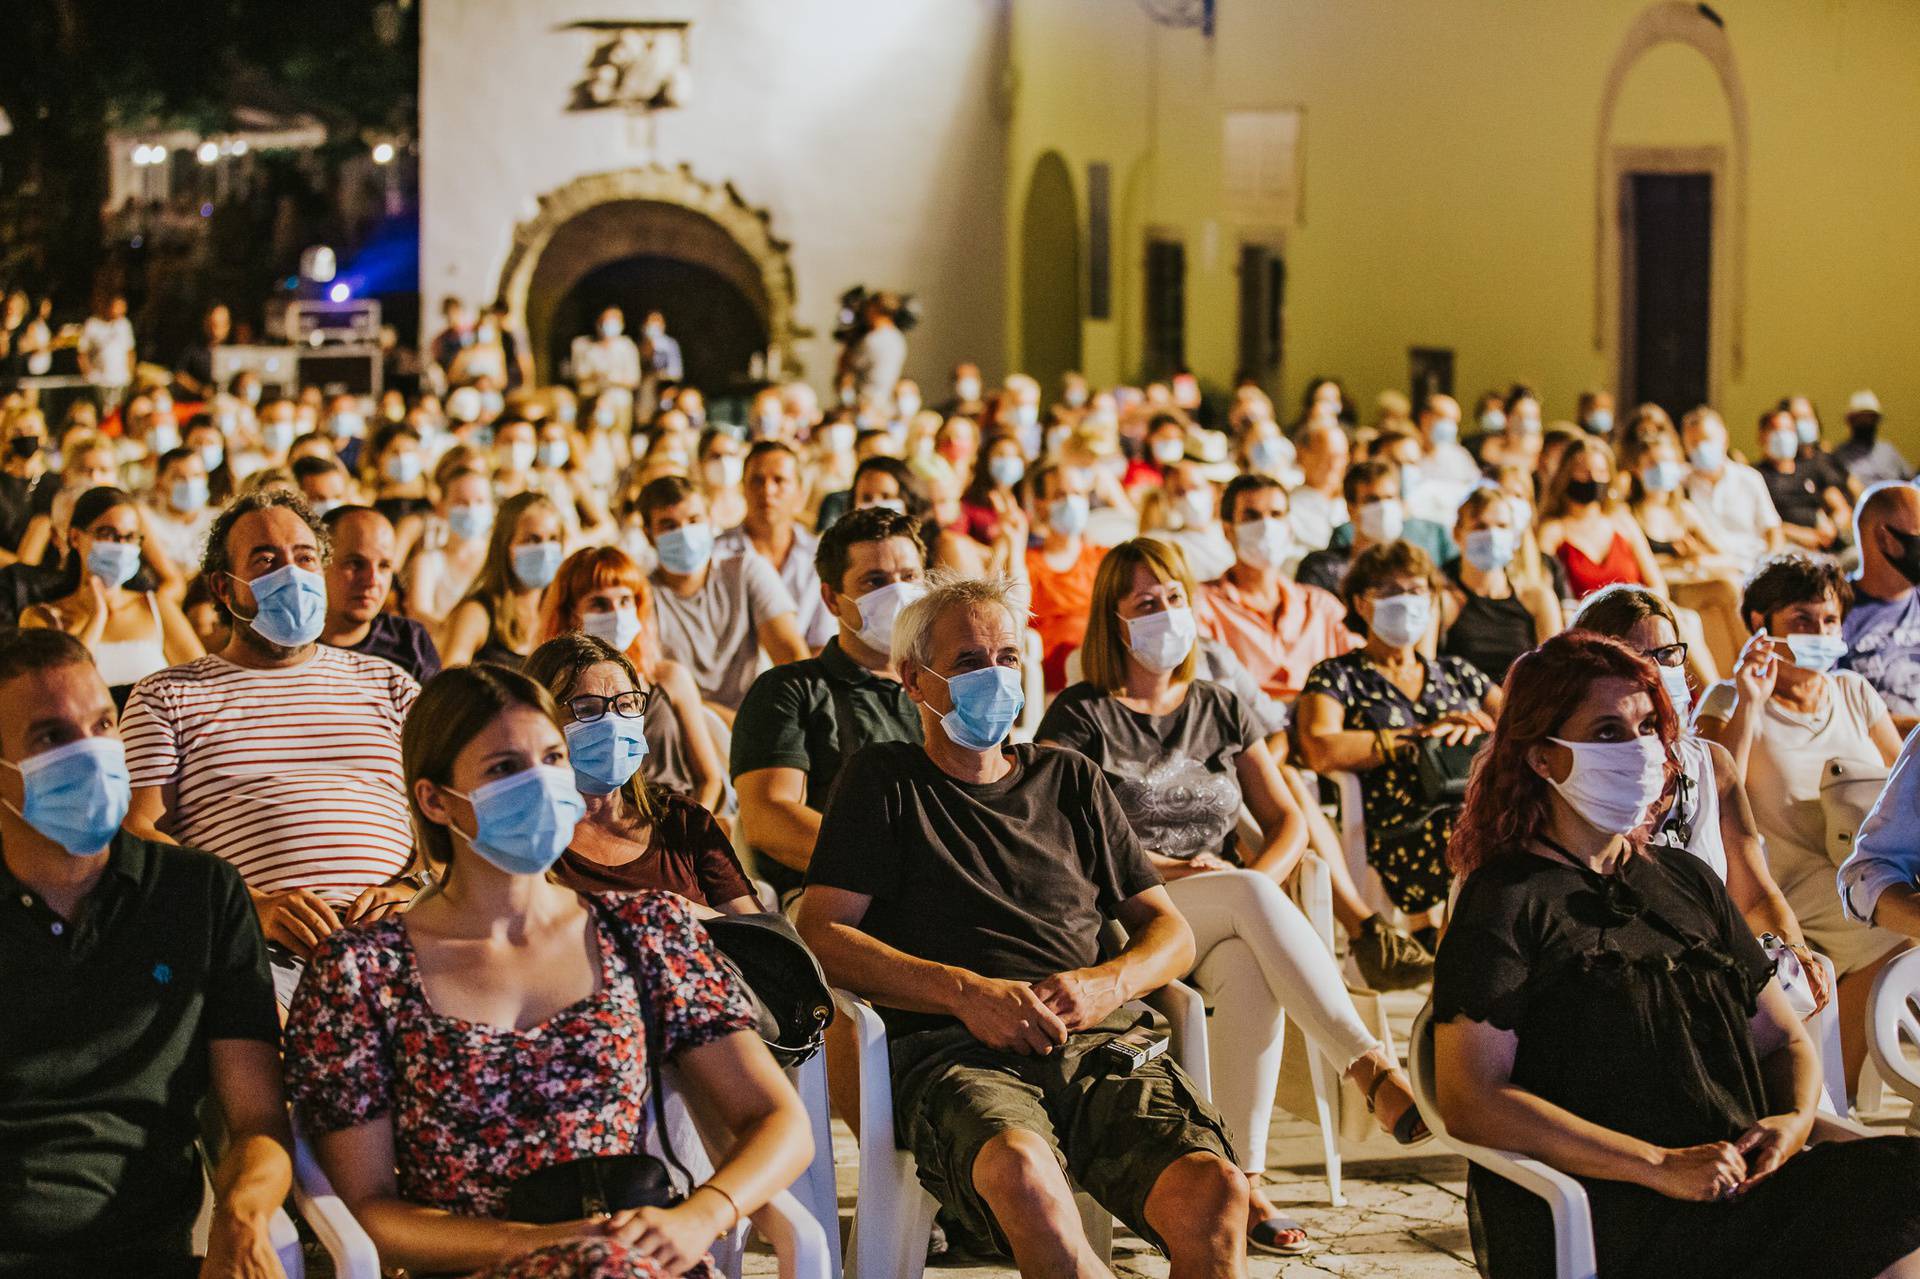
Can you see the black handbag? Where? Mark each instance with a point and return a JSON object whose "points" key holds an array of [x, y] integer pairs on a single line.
{"points": [[791, 1000], [1444, 770]]}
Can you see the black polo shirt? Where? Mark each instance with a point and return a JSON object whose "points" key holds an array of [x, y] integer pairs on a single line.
{"points": [[793, 717], [104, 1026], [404, 642]]}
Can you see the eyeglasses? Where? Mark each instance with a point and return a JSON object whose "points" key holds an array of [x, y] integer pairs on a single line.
{"points": [[1667, 655], [588, 707]]}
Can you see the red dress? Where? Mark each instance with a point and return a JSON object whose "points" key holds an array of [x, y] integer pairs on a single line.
{"points": [[1585, 575]]}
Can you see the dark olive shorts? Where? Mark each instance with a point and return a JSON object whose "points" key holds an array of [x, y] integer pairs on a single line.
{"points": [[1113, 1134]]}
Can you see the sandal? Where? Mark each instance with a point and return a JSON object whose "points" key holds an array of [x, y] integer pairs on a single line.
{"points": [[1280, 1236], [1408, 1130]]}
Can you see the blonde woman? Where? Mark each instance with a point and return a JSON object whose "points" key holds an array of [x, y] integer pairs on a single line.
{"points": [[1183, 755], [499, 621]]}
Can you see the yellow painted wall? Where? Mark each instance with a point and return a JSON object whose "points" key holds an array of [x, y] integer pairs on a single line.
{"points": [[1450, 174]]}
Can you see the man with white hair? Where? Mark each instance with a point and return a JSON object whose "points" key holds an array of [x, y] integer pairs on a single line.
{"points": [[962, 886]]}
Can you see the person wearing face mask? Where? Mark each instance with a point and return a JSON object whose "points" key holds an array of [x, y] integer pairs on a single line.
{"points": [[558, 472], [1812, 501], [1375, 501], [606, 358], [102, 1077], [772, 530], [452, 545], [88, 460], [660, 356], [1488, 617], [129, 620], [802, 721], [723, 466], [962, 885], [1866, 456], [1730, 496], [1707, 812], [639, 831], [499, 620], [1700, 576], [278, 753], [873, 360], [1165, 446], [1446, 459], [1882, 627], [1062, 567], [1787, 716], [359, 583], [967, 388], [1182, 755], [22, 467], [1277, 628], [1585, 526], [717, 616], [601, 593], [396, 475], [1574, 948], [1365, 711], [622, 984], [180, 509]]}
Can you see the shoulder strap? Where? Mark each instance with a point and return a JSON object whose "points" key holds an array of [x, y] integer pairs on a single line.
{"points": [[656, 1089]]}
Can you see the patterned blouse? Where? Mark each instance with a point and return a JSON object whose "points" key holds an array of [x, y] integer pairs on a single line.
{"points": [[475, 1107], [1411, 862]]}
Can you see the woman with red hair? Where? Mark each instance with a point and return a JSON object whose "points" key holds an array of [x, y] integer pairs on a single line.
{"points": [[1599, 1004], [601, 591]]}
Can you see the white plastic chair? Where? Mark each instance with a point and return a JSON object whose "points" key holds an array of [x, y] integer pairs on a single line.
{"points": [[1893, 1024], [1824, 1027], [1566, 1197], [1351, 822], [799, 1244], [893, 1213]]}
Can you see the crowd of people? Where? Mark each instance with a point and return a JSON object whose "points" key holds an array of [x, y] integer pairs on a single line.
{"points": [[384, 758]]}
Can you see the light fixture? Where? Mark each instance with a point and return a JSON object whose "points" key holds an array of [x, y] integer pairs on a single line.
{"points": [[209, 152], [383, 153], [239, 146], [340, 292]]}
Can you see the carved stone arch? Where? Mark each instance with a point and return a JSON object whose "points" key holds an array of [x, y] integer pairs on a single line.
{"points": [[592, 220], [1675, 22]]}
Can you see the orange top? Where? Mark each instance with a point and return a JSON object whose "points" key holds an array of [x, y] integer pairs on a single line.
{"points": [[1279, 646], [1061, 602]]}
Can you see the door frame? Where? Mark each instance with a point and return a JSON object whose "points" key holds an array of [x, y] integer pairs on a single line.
{"points": [[1623, 163]]}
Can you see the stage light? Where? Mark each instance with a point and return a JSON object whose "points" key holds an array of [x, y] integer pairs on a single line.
{"points": [[208, 152], [339, 292], [383, 154]]}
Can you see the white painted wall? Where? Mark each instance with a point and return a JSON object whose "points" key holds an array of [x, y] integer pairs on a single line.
{"points": [[874, 131]]}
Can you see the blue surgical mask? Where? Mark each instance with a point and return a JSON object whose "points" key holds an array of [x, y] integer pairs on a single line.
{"points": [[986, 704], [1806, 429], [1445, 431], [277, 436], [1663, 477], [290, 606], [1782, 445], [1708, 456], [1401, 620], [524, 822], [114, 563], [606, 752], [1488, 549], [1068, 515], [535, 563], [553, 454], [619, 627], [1270, 453], [78, 794], [685, 550], [1006, 469], [1493, 420], [403, 468], [1600, 421], [212, 455], [189, 496], [1816, 652], [1161, 641], [470, 522], [344, 426]]}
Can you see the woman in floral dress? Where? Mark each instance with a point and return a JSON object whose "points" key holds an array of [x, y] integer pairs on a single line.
{"points": [[502, 1025]]}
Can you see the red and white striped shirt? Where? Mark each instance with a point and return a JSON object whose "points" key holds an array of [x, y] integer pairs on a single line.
{"points": [[293, 775]]}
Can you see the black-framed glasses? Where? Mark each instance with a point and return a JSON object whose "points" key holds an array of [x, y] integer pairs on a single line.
{"points": [[587, 707], [1668, 655]]}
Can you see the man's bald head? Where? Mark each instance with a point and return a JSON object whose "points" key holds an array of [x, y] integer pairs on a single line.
{"points": [[1886, 524]]}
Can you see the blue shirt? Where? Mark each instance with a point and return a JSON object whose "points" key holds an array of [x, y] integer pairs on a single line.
{"points": [[1883, 646]]}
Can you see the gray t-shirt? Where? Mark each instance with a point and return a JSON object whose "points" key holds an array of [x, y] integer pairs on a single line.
{"points": [[715, 631], [1175, 774]]}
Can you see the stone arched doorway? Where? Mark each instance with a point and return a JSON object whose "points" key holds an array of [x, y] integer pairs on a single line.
{"points": [[656, 239]]}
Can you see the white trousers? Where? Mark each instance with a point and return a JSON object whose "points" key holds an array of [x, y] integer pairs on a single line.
{"points": [[1257, 958]]}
